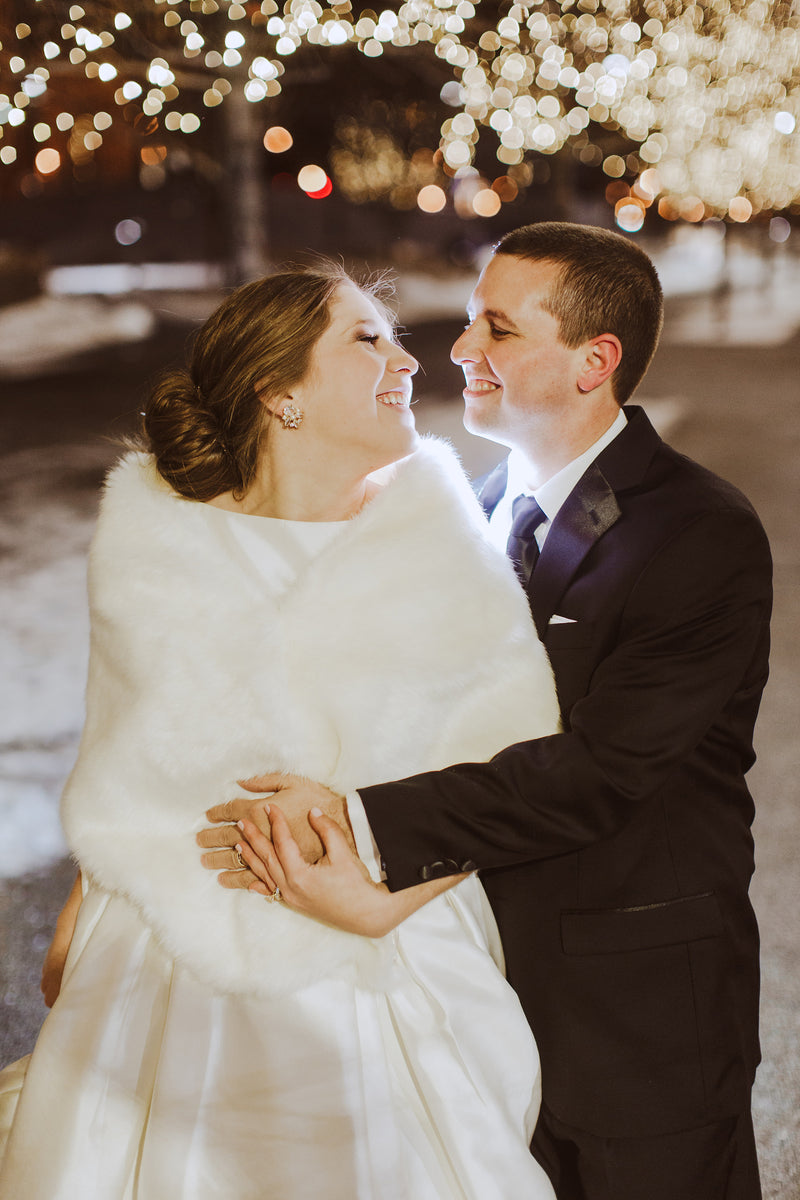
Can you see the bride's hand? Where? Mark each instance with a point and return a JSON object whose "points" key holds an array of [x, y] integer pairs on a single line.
{"points": [[337, 889]]}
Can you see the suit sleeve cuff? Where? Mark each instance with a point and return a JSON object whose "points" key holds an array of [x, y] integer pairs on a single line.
{"points": [[366, 845]]}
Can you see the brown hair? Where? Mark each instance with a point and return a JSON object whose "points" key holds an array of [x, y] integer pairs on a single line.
{"points": [[205, 424], [607, 284]]}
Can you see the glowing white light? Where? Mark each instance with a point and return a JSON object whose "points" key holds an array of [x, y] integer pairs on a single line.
{"points": [[254, 90], [263, 68], [629, 217], [231, 58], [51, 49], [34, 86], [195, 41], [159, 73], [128, 232], [452, 94], [47, 161], [784, 122], [285, 45], [617, 65], [8, 155], [779, 229], [189, 123], [337, 33], [234, 40], [122, 21], [107, 71], [312, 178], [89, 41], [131, 89], [41, 131]]}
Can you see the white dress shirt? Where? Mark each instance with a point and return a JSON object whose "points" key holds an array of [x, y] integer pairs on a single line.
{"points": [[550, 497], [552, 494]]}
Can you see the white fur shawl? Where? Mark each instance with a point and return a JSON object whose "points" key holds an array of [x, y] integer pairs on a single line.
{"points": [[404, 646]]}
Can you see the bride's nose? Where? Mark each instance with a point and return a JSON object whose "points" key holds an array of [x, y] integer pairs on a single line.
{"points": [[402, 361]]}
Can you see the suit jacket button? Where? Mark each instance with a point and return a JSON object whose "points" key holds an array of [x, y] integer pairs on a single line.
{"points": [[432, 871], [469, 865]]}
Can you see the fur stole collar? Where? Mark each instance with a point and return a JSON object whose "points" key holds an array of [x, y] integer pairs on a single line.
{"points": [[404, 646]]}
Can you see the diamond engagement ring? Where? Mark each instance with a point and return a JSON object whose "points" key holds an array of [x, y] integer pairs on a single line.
{"points": [[276, 895], [241, 864]]}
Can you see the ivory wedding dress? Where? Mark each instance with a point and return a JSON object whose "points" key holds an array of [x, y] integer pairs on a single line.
{"points": [[148, 1083]]}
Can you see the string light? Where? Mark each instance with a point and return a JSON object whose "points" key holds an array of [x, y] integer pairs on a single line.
{"points": [[706, 98]]}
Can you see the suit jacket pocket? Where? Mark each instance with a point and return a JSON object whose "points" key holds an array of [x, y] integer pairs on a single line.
{"points": [[565, 634], [618, 930]]}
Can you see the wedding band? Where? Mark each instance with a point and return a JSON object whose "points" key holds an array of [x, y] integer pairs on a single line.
{"points": [[276, 895], [241, 864]]}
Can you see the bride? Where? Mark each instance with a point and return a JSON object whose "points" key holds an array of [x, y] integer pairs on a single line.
{"points": [[288, 579]]}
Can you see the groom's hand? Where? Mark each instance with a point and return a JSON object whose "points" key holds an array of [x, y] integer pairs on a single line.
{"points": [[297, 796]]}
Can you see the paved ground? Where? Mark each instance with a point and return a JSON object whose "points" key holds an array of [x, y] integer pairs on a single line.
{"points": [[733, 405]]}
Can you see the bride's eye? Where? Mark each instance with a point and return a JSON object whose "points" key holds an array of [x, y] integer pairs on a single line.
{"points": [[372, 338]]}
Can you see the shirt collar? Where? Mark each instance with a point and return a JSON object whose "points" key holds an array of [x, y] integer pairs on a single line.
{"points": [[552, 494]]}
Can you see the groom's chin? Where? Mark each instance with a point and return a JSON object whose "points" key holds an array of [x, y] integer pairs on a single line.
{"points": [[481, 426]]}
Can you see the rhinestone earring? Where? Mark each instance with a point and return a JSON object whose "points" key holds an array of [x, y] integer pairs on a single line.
{"points": [[291, 416]]}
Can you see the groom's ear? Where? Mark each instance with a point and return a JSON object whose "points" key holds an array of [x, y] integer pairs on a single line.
{"points": [[598, 361]]}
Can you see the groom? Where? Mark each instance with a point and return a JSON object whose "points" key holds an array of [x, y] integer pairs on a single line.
{"points": [[616, 854]]}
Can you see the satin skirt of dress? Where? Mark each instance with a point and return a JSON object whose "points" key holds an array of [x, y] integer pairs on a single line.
{"points": [[144, 1085]]}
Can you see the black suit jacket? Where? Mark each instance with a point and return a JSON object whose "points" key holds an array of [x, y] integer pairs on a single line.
{"points": [[617, 854]]}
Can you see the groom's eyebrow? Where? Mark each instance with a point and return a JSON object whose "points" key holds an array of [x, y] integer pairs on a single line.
{"points": [[497, 314]]}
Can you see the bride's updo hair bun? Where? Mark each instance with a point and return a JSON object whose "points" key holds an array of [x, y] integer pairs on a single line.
{"points": [[205, 424]]}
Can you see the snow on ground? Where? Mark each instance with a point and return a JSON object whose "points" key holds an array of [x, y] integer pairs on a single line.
{"points": [[39, 334], [46, 521], [738, 294]]}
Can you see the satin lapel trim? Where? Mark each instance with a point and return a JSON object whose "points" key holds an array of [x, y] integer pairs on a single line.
{"points": [[586, 514], [493, 488]]}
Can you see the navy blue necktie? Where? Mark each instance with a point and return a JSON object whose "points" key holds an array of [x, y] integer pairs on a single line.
{"points": [[522, 547]]}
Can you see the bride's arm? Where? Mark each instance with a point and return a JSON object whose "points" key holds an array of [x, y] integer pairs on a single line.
{"points": [[337, 889], [56, 956]]}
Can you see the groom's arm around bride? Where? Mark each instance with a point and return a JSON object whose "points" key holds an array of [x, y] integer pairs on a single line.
{"points": [[617, 854]]}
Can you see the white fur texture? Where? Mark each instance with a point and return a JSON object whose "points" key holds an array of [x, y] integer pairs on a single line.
{"points": [[404, 646]]}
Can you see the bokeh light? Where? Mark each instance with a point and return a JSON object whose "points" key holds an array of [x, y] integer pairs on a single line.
{"points": [[128, 232], [47, 161], [278, 140], [431, 198], [486, 203], [312, 178], [706, 96]]}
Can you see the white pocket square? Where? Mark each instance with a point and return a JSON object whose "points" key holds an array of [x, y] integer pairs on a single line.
{"points": [[557, 619]]}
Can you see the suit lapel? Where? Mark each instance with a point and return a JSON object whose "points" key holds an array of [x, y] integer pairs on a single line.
{"points": [[586, 514], [589, 512]]}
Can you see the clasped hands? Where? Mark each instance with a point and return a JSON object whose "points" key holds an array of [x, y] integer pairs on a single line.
{"points": [[299, 840]]}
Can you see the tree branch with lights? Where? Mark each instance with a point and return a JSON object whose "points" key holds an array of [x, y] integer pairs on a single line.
{"points": [[696, 106]]}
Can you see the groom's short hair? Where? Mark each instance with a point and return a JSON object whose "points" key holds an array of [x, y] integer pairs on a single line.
{"points": [[607, 284]]}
